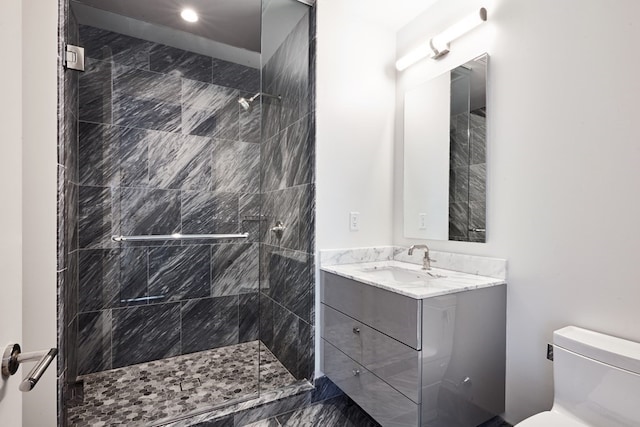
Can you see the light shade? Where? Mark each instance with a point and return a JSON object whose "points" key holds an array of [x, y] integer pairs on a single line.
{"points": [[438, 45], [189, 15]]}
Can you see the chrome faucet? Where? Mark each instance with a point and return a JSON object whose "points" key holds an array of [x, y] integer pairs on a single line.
{"points": [[426, 260]]}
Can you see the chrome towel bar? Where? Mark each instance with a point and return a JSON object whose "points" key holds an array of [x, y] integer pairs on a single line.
{"points": [[178, 236], [13, 357]]}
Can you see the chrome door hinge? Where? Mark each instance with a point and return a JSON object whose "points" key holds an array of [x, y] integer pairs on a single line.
{"points": [[74, 57]]}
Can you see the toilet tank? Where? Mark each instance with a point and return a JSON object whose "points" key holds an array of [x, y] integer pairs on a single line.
{"points": [[597, 378]]}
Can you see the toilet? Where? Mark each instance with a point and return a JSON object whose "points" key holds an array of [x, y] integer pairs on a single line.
{"points": [[596, 381]]}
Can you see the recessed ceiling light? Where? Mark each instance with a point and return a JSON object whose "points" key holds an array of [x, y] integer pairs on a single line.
{"points": [[189, 15]]}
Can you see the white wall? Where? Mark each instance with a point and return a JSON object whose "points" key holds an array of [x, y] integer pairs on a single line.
{"points": [[563, 167], [39, 175], [354, 129], [11, 212], [355, 122]]}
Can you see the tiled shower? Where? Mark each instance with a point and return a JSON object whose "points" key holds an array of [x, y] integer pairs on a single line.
{"points": [[154, 142]]}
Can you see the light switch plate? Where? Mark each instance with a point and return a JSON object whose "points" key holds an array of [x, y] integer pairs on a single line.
{"points": [[354, 221]]}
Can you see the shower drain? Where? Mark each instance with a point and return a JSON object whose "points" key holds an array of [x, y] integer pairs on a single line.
{"points": [[190, 384]]}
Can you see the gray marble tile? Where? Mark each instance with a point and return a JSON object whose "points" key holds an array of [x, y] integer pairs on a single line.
{"points": [[294, 208], [459, 184], [271, 422], [202, 211], [268, 410], [290, 276], [273, 154], [180, 162], [287, 74], [95, 217], [180, 63], [234, 268], [94, 342], [478, 182], [146, 100], [496, 422], [307, 226], [71, 131], [133, 161], [222, 422], [477, 219], [250, 216], [335, 412], [149, 211], [312, 72], [250, 123], [99, 274], [96, 93], [61, 226], [285, 337], [459, 149], [236, 76], [70, 287], [114, 47], [458, 221], [133, 271], [478, 145], [236, 167], [306, 355], [300, 151], [324, 389], [248, 317], [71, 219], [266, 320], [145, 333], [210, 110], [98, 155], [72, 344], [209, 323], [179, 273]]}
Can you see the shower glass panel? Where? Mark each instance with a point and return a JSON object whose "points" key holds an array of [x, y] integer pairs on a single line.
{"points": [[200, 133]]}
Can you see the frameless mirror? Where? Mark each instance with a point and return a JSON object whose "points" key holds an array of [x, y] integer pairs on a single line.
{"points": [[444, 155]]}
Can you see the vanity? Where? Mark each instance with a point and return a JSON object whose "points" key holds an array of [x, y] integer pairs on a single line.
{"points": [[414, 347]]}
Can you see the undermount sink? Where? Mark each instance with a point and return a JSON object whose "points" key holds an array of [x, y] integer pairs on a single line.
{"points": [[399, 274]]}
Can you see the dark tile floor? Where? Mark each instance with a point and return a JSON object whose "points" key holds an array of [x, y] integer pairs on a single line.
{"points": [[336, 412]]}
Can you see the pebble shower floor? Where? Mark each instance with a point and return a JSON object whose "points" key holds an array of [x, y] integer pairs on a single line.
{"points": [[163, 389]]}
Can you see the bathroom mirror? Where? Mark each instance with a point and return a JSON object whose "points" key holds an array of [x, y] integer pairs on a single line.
{"points": [[444, 155]]}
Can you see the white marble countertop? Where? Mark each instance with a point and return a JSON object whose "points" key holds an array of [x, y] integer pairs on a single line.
{"points": [[425, 285]]}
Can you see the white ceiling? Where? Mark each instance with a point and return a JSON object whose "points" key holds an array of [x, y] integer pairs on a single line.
{"points": [[232, 22]]}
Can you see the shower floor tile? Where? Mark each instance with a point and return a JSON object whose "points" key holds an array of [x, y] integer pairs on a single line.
{"points": [[148, 392]]}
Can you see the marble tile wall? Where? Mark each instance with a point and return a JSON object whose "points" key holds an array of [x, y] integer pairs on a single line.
{"points": [[163, 147], [467, 176], [288, 191], [67, 236]]}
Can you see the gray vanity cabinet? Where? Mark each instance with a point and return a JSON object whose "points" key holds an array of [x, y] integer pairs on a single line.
{"points": [[411, 362]]}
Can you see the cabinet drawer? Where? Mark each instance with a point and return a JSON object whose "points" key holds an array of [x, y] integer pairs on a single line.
{"points": [[390, 313], [390, 360], [386, 405]]}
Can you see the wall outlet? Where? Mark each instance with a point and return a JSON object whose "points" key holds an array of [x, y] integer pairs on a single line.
{"points": [[422, 221], [354, 221]]}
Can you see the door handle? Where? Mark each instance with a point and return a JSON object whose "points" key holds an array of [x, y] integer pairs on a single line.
{"points": [[13, 357]]}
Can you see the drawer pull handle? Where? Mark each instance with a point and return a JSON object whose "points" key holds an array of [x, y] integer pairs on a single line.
{"points": [[356, 372], [356, 330]]}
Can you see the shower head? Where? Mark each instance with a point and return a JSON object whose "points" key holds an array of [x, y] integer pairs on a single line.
{"points": [[244, 103], [247, 104]]}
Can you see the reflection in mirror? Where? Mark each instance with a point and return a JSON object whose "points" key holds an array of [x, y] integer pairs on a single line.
{"points": [[444, 157]]}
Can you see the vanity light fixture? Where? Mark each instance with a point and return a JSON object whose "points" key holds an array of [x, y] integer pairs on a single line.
{"points": [[189, 15], [438, 45]]}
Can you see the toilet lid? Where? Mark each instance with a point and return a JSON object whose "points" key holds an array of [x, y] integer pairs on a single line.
{"points": [[550, 419]]}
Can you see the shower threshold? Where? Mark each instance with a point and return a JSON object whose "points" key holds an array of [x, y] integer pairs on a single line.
{"points": [[158, 392]]}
